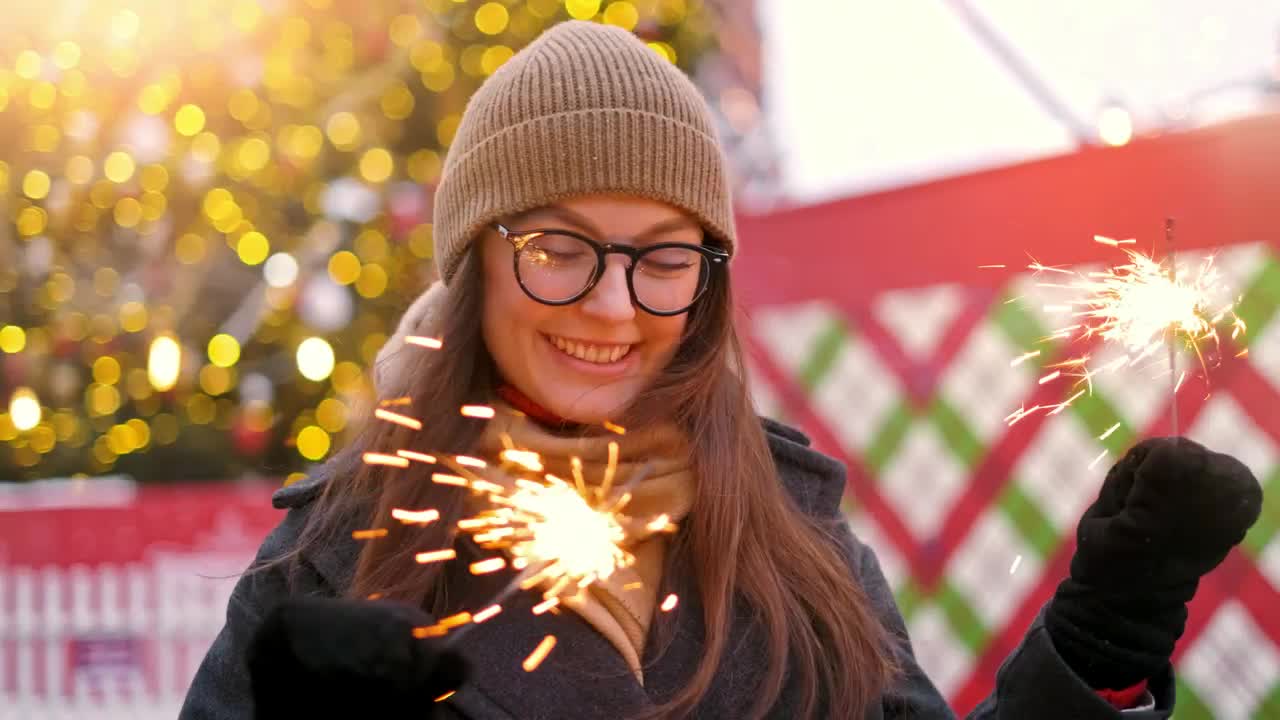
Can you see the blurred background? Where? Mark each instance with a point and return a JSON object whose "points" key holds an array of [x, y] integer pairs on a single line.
{"points": [[212, 214]]}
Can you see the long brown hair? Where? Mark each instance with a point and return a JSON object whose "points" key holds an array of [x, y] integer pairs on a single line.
{"points": [[744, 536]]}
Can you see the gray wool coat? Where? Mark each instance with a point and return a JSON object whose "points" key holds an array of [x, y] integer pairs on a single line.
{"points": [[585, 677]]}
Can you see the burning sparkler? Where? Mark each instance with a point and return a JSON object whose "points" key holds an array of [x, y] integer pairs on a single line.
{"points": [[559, 536], [1141, 306]]}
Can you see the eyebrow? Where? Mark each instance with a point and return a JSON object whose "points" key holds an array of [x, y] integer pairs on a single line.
{"points": [[585, 225]]}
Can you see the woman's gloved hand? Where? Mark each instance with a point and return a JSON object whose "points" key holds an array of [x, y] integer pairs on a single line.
{"points": [[322, 657], [1167, 514]]}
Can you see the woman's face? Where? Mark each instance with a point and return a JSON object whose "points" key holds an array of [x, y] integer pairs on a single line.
{"points": [[587, 361]]}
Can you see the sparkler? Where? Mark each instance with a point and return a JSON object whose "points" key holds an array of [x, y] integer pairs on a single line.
{"points": [[1140, 306], [561, 537]]}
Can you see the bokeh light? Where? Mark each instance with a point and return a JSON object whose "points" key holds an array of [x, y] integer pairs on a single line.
{"points": [[164, 361], [24, 409], [313, 443], [315, 358], [1115, 126], [224, 350], [280, 270]]}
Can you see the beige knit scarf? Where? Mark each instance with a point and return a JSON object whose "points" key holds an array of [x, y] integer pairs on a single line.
{"points": [[622, 606]]}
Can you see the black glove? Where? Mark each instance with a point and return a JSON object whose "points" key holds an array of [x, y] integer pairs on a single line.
{"points": [[320, 658], [1167, 514]]}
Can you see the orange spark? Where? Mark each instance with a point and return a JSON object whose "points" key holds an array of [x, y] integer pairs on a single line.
{"points": [[446, 696], [539, 653], [545, 605], [426, 342], [660, 523], [669, 603], [471, 461], [1113, 243], [484, 412], [486, 614], [1024, 357], [1109, 431], [482, 567], [453, 621], [368, 534], [1098, 459], [615, 429], [486, 486], [435, 556], [447, 479], [397, 418], [527, 459], [373, 458], [420, 457], [415, 517]]}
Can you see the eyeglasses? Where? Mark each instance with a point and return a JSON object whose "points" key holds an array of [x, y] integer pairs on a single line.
{"points": [[559, 267]]}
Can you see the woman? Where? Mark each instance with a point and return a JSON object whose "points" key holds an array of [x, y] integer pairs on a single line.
{"points": [[583, 231]]}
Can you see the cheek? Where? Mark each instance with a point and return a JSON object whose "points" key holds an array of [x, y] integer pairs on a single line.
{"points": [[663, 335], [509, 322], [502, 307]]}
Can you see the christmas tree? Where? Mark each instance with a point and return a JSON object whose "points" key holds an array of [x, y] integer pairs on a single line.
{"points": [[215, 211]]}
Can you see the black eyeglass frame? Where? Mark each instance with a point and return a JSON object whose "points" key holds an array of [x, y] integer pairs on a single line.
{"points": [[519, 239]]}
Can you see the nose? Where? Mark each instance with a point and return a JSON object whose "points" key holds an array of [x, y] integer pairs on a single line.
{"points": [[610, 299]]}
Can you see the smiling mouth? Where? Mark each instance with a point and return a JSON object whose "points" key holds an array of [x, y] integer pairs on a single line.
{"points": [[590, 352]]}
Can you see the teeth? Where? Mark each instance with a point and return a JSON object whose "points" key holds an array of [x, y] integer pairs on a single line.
{"points": [[600, 354]]}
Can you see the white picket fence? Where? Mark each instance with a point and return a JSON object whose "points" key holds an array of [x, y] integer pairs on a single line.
{"points": [[109, 641]]}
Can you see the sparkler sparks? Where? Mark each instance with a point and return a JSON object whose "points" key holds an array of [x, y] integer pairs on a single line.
{"points": [[483, 412], [417, 456], [426, 342], [560, 537], [539, 653], [550, 523], [435, 556], [415, 517], [397, 418], [487, 566], [373, 458], [1137, 306], [486, 614]]}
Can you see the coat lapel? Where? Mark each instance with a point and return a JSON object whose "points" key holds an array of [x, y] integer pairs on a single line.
{"points": [[582, 677]]}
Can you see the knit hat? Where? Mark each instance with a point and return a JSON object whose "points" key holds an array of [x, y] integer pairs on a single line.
{"points": [[584, 109]]}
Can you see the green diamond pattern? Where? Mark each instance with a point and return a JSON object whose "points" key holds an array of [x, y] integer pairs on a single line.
{"points": [[1037, 528]]}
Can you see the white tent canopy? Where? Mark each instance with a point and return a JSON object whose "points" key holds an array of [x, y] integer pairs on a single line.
{"points": [[862, 94]]}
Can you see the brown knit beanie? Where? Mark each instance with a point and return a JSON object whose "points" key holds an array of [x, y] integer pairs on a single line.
{"points": [[584, 109]]}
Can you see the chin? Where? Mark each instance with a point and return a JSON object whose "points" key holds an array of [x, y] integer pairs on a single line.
{"points": [[589, 407]]}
